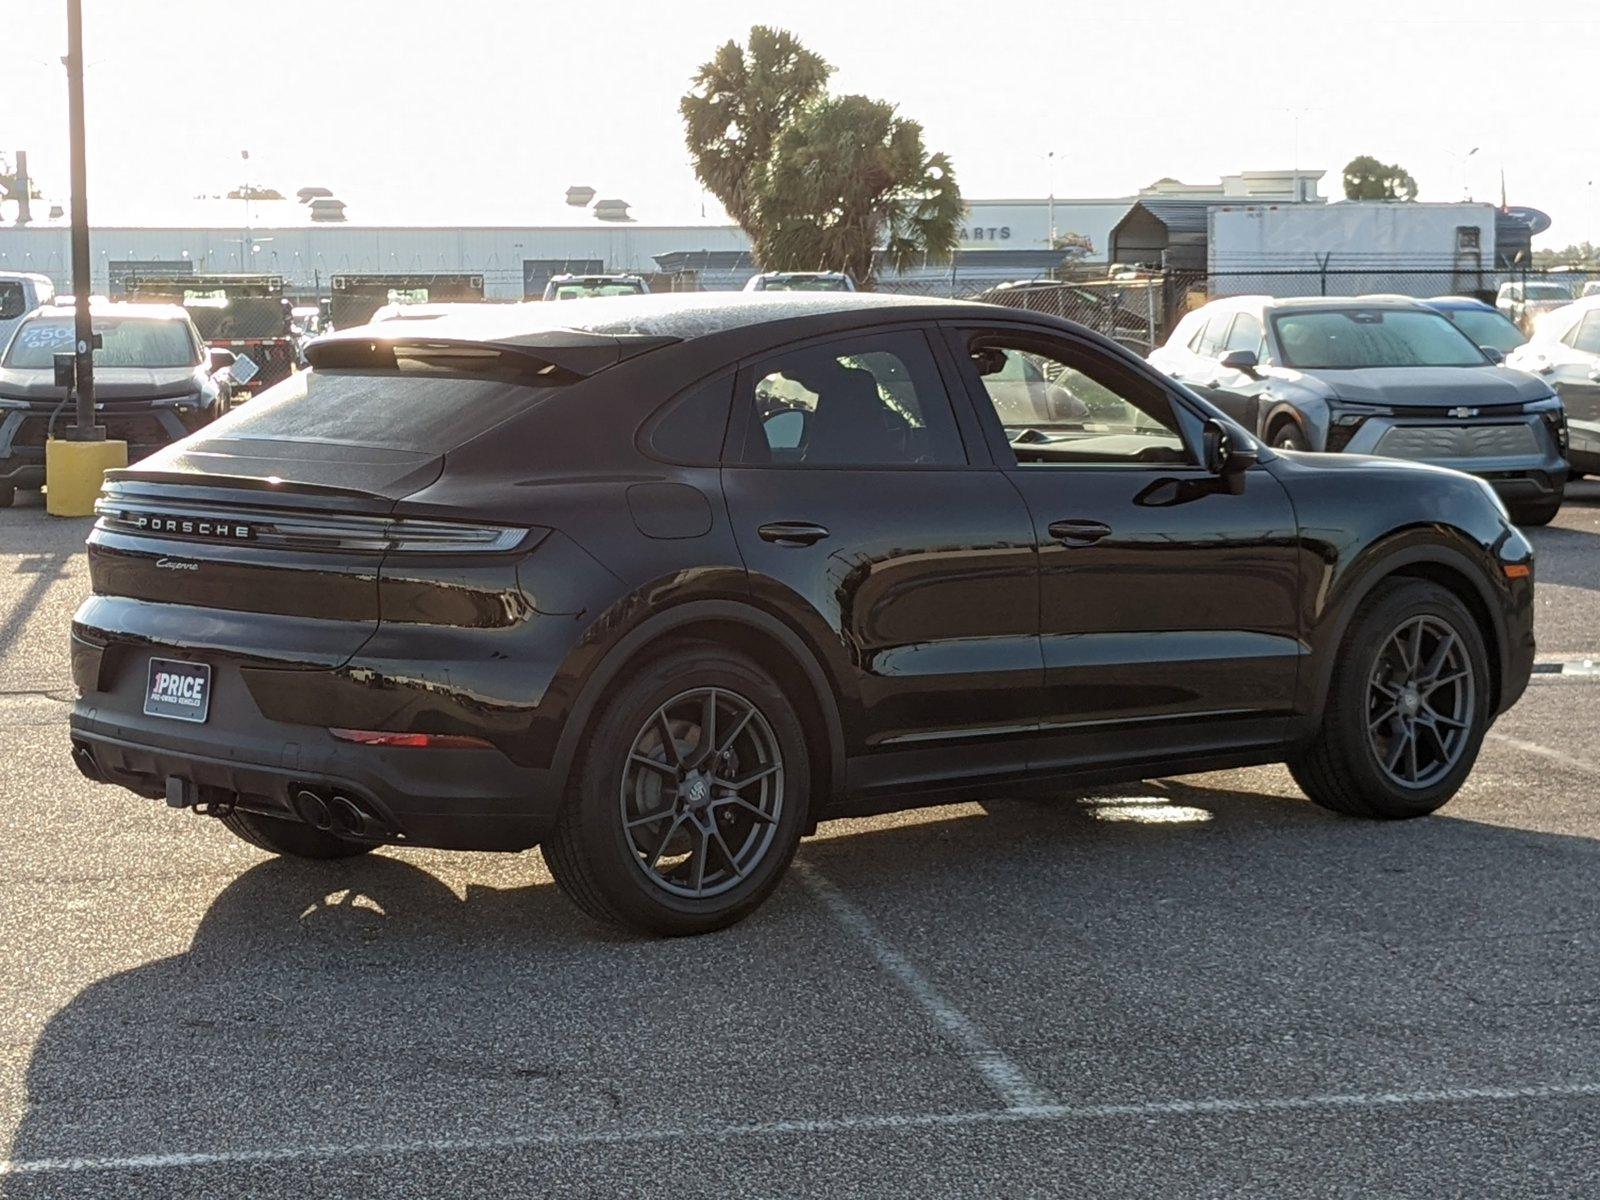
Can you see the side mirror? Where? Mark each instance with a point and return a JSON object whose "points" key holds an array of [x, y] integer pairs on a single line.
{"points": [[221, 359], [1492, 354], [1241, 360], [66, 365], [1226, 453]]}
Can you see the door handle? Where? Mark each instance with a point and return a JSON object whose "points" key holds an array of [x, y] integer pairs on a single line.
{"points": [[792, 533], [1079, 531]]}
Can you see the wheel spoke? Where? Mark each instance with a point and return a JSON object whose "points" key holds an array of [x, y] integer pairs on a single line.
{"points": [[738, 785], [1411, 754], [648, 818], [1441, 655], [759, 814], [668, 741], [698, 867], [1387, 714], [1433, 685], [654, 764], [738, 728], [1441, 719], [1414, 658], [706, 747], [1387, 690], [1398, 749], [733, 863], [665, 838]]}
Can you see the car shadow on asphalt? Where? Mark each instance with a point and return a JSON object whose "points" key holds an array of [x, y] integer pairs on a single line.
{"points": [[338, 982]]}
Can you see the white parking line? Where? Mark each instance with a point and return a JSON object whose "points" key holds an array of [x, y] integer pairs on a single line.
{"points": [[1014, 1088], [1527, 747], [891, 1122]]}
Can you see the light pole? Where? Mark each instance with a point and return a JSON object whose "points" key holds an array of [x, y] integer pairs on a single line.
{"points": [[1466, 192]]}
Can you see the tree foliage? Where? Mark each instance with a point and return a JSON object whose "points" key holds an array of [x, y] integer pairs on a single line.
{"points": [[1365, 178], [819, 182]]}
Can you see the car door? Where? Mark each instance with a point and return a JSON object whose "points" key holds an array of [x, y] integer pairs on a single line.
{"points": [[1574, 370], [881, 529], [1169, 611]]}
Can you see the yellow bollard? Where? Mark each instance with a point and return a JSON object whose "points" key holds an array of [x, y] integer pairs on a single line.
{"points": [[74, 471]]}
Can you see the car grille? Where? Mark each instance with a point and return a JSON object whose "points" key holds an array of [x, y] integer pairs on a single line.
{"points": [[1458, 441]]}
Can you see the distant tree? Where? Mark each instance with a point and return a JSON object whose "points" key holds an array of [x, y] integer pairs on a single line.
{"points": [[254, 191], [737, 106], [818, 182], [850, 176], [1365, 178], [1578, 255]]}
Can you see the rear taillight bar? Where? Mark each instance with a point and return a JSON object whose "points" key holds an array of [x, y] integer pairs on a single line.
{"points": [[305, 531], [415, 741]]}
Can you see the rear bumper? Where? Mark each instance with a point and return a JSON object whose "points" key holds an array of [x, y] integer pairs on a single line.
{"points": [[462, 799]]}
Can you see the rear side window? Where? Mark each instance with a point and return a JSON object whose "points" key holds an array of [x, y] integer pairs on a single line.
{"points": [[13, 300], [873, 401], [1246, 334], [1211, 341], [424, 413], [689, 429], [1586, 336]]}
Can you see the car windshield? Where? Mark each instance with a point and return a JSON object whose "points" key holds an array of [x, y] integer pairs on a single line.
{"points": [[1350, 339], [582, 291], [1546, 291], [125, 342], [1488, 329], [804, 284]]}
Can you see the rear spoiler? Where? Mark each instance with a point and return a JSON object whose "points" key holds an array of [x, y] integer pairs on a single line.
{"points": [[545, 356]]}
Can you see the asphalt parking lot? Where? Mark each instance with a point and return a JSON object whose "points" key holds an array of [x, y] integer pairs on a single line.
{"points": [[1192, 987]]}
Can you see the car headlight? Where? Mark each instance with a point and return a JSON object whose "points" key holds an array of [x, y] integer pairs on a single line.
{"points": [[1554, 414]]}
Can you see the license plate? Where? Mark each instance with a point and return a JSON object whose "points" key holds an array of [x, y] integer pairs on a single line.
{"points": [[179, 690]]}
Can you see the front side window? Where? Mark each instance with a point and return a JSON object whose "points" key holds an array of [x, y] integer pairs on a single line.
{"points": [[1352, 339], [869, 402], [125, 342], [1063, 405], [1247, 334], [1211, 341]]}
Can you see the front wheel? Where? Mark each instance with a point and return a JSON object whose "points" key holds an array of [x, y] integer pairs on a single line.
{"points": [[687, 799], [1406, 710], [1289, 437]]}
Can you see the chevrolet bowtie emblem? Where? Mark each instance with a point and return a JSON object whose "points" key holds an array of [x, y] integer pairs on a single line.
{"points": [[1463, 412]]}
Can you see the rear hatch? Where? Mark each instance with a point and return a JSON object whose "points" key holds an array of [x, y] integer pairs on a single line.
{"points": [[262, 534]]}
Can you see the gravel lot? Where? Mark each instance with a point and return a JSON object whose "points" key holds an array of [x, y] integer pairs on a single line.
{"points": [[1192, 987]]}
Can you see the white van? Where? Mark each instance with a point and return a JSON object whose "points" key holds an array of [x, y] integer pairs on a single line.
{"points": [[19, 296]]}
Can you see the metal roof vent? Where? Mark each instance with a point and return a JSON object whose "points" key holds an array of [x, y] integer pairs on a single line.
{"points": [[611, 210], [579, 197], [326, 208]]}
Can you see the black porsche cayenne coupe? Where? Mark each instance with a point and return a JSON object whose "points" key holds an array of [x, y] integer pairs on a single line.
{"points": [[656, 584]]}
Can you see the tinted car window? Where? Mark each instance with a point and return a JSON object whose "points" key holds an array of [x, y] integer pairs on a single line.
{"points": [[690, 428], [876, 401], [126, 342], [13, 300], [1347, 339], [1066, 404]]}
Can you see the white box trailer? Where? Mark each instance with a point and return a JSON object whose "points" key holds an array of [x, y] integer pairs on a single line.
{"points": [[1352, 248]]}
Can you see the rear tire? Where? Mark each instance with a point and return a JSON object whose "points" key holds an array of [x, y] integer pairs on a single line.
{"points": [[1540, 513], [1358, 762], [8, 496], [623, 865], [292, 838]]}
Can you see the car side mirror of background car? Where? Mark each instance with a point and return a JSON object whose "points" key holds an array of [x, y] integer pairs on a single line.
{"points": [[221, 359], [1226, 453], [1241, 360], [1492, 354]]}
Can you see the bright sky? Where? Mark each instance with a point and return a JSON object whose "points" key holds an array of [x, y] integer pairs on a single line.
{"points": [[498, 99]]}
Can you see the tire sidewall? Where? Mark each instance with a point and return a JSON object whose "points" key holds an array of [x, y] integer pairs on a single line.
{"points": [[1376, 625], [598, 790]]}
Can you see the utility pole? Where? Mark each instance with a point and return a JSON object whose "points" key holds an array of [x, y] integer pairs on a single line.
{"points": [[75, 465], [84, 428]]}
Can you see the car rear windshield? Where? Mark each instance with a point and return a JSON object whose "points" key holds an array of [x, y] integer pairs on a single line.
{"points": [[1546, 291], [430, 413], [222, 318], [1488, 329], [1348, 339], [125, 342], [581, 291], [804, 284]]}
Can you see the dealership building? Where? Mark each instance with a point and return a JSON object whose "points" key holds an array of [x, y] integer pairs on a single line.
{"points": [[315, 238]]}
